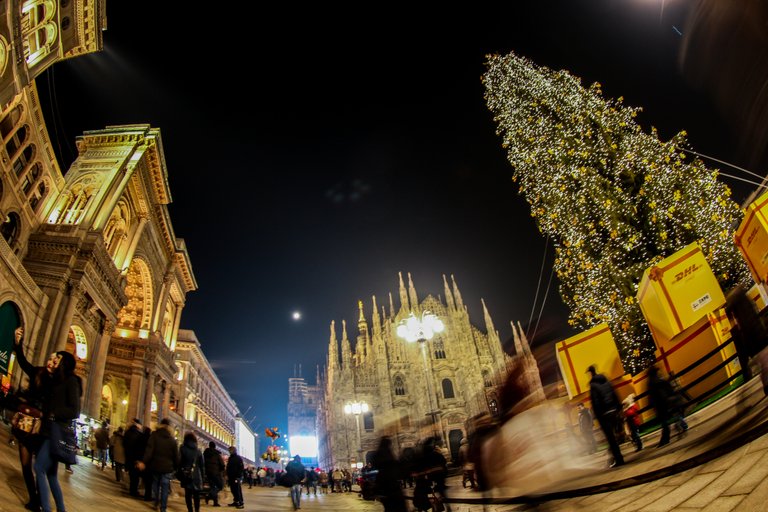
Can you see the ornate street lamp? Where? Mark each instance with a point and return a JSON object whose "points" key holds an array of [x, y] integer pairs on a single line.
{"points": [[414, 329], [357, 408]]}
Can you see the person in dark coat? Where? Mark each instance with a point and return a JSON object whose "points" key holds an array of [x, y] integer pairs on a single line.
{"points": [[146, 474], [192, 467], [61, 405], [388, 478], [661, 395], [214, 470], [161, 458], [606, 406], [748, 332], [29, 443], [235, 472], [134, 443], [295, 472]]}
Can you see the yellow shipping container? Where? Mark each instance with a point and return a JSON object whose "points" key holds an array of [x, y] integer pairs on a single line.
{"points": [[678, 292], [577, 353], [688, 347], [755, 294], [752, 238]]}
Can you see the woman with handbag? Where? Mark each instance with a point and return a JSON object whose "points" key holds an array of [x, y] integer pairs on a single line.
{"points": [[28, 420], [61, 405], [191, 471]]}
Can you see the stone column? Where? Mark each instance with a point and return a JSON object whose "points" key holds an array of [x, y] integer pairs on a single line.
{"points": [[75, 292], [134, 400], [165, 406], [98, 365], [150, 387]]}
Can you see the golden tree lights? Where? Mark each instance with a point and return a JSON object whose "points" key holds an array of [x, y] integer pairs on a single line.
{"points": [[614, 199]]}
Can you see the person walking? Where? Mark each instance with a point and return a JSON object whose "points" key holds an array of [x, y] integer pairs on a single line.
{"points": [[192, 471], [660, 394], [61, 405], [118, 453], [133, 446], [632, 419], [27, 435], [311, 480], [147, 478], [102, 443], [295, 471], [587, 428], [235, 472], [388, 477], [214, 471], [606, 406], [161, 458]]}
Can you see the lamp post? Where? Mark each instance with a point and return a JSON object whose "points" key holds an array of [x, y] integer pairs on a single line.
{"points": [[357, 408], [414, 329]]}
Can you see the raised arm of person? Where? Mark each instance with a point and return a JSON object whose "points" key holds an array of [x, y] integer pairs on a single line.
{"points": [[26, 366]]}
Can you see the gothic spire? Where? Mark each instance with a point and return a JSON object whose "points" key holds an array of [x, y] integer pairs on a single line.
{"points": [[346, 348], [516, 338], [362, 324], [488, 322], [457, 294], [412, 293], [403, 294], [376, 318], [524, 339], [333, 347], [391, 306], [448, 295]]}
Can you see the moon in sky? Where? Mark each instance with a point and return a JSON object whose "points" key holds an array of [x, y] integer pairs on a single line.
{"points": [[296, 315]]}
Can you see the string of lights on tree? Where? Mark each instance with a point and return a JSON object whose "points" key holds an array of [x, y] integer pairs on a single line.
{"points": [[613, 199]]}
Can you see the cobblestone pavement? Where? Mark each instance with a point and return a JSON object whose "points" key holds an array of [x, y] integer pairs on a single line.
{"points": [[721, 465]]}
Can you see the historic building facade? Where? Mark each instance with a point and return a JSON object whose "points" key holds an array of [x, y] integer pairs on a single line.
{"points": [[410, 395], [200, 398], [89, 261]]}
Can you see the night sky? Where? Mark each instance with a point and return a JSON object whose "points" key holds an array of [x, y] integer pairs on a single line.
{"points": [[316, 150]]}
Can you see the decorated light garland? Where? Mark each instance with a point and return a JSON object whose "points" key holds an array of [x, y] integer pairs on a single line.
{"points": [[614, 199]]}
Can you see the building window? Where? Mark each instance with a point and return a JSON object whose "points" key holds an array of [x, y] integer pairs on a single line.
{"points": [[439, 350], [10, 228], [368, 421], [448, 389], [487, 381], [16, 141], [39, 29], [399, 386]]}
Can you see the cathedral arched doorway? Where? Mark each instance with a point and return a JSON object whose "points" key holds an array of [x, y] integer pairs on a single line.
{"points": [[454, 442], [107, 403]]}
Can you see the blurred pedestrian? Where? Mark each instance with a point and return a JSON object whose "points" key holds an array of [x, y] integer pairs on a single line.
{"points": [[118, 452], [235, 472], [632, 419], [432, 471], [388, 477], [295, 472], [606, 406], [102, 443], [192, 469], [660, 393], [134, 445], [587, 428], [467, 466], [161, 459], [214, 471], [748, 332]]}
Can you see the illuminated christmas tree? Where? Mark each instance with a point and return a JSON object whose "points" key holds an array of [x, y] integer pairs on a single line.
{"points": [[614, 199]]}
